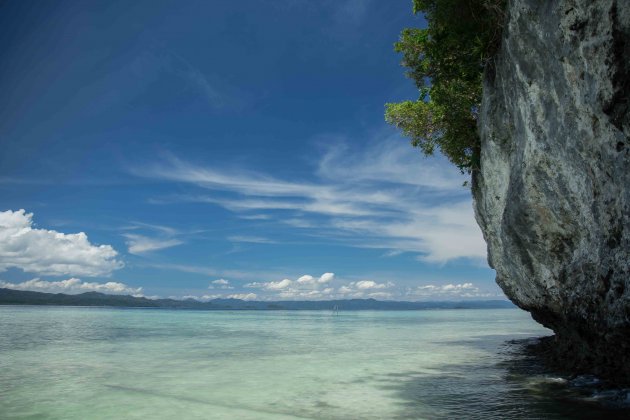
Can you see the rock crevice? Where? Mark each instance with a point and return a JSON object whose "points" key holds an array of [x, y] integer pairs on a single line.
{"points": [[552, 194]]}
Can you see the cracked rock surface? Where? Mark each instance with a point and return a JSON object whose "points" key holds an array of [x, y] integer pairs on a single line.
{"points": [[552, 195]]}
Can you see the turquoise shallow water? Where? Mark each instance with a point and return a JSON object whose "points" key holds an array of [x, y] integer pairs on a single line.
{"points": [[96, 363]]}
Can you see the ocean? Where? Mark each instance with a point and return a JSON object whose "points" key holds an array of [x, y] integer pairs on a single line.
{"points": [[103, 363]]}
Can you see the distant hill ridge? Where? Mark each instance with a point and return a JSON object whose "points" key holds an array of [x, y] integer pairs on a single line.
{"points": [[19, 297]]}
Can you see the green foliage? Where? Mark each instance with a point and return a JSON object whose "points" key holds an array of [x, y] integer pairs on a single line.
{"points": [[447, 60]]}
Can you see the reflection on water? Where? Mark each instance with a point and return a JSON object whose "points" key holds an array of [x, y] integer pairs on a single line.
{"points": [[77, 363]]}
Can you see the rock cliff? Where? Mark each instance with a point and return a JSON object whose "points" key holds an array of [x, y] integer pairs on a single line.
{"points": [[552, 195]]}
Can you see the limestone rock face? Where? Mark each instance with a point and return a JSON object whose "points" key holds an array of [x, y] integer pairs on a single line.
{"points": [[553, 193]]}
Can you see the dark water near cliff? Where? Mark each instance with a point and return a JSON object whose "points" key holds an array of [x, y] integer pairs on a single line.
{"points": [[79, 363]]}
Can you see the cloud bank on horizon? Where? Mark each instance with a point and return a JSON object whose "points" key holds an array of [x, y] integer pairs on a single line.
{"points": [[48, 252], [73, 286], [274, 291]]}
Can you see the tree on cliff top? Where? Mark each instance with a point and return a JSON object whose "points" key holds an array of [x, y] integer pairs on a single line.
{"points": [[446, 60]]}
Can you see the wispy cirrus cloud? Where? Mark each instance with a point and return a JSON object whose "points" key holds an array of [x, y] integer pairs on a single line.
{"points": [[250, 239], [154, 237], [244, 275], [157, 62], [139, 244], [383, 196]]}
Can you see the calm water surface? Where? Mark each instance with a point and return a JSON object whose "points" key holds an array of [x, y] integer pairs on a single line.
{"points": [[94, 363]]}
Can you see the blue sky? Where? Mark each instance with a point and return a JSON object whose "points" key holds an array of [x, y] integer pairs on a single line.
{"points": [[219, 148]]}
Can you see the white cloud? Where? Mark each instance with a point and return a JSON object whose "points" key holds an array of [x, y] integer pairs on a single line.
{"points": [[437, 234], [243, 296], [451, 291], [49, 252], [152, 297], [202, 298], [271, 285], [326, 277], [393, 253], [448, 288], [309, 287], [250, 239], [384, 195], [221, 284], [255, 216], [305, 287], [369, 284], [379, 295], [345, 290], [72, 286], [366, 289], [283, 284], [160, 237], [166, 230], [327, 287], [391, 161], [310, 280], [306, 294], [214, 272], [329, 208], [139, 244]]}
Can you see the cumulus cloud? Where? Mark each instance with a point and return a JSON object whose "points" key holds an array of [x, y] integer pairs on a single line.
{"points": [[366, 289], [283, 284], [306, 294], [49, 252], [369, 284], [328, 287], [304, 287], [72, 286], [324, 278], [220, 284], [271, 285], [309, 287]]}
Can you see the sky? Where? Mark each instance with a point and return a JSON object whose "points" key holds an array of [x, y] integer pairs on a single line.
{"points": [[205, 149]]}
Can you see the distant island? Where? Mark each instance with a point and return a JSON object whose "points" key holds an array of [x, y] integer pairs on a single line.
{"points": [[19, 297]]}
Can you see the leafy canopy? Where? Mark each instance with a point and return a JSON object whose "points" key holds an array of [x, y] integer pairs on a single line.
{"points": [[447, 60]]}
